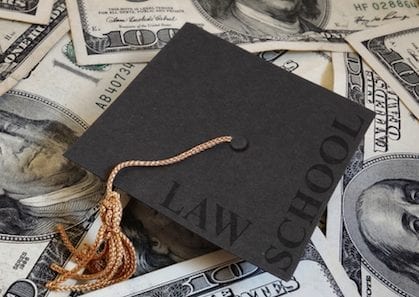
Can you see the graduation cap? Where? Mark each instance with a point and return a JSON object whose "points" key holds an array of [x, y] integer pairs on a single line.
{"points": [[262, 187]]}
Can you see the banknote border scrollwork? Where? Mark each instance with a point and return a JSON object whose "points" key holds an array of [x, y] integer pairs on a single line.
{"points": [[391, 156], [238, 37], [382, 279], [66, 112], [368, 163], [98, 45], [83, 17], [312, 254], [52, 104], [166, 289], [31, 11], [37, 42], [381, 39]]}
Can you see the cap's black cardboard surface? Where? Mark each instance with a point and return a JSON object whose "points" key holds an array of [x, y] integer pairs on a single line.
{"points": [[262, 203]]}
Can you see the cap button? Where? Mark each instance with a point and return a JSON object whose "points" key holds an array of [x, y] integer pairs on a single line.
{"points": [[239, 143]]}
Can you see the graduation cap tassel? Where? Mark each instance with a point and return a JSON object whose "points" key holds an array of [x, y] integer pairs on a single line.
{"points": [[111, 258]]}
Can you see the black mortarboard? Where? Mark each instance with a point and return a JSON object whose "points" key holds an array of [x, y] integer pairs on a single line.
{"points": [[259, 197]]}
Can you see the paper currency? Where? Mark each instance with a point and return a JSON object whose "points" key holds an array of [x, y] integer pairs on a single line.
{"points": [[313, 66], [373, 216], [222, 275], [31, 11], [39, 188], [393, 52], [106, 31], [74, 96], [24, 45]]}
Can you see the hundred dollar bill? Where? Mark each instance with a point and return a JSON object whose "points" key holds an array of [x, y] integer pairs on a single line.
{"points": [[313, 66], [108, 31], [393, 52], [23, 45], [30, 11], [39, 188], [159, 242], [60, 105], [373, 216], [223, 275]]}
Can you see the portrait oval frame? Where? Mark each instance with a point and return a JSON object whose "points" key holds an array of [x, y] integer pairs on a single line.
{"points": [[391, 166], [320, 21], [36, 107]]}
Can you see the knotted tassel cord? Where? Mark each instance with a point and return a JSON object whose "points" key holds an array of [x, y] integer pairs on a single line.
{"points": [[111, 258]]}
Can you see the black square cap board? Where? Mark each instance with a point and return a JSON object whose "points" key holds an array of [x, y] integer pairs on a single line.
{"points": [[259, 197]]}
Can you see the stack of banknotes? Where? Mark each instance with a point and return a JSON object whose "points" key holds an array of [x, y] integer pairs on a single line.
{"points": [[64, 62]]}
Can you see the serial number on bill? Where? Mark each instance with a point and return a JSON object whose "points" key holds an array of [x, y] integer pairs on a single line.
{"points": [[385, 5], [115, 85]]}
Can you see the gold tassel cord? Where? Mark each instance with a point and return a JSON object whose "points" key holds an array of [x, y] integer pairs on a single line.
{"points": [[111, 258]]}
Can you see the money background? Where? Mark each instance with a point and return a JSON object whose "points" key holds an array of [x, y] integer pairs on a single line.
{"points": [[50, 96], [388, 156], [103, 30]]}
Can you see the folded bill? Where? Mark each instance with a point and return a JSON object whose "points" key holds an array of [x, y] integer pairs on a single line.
{"points": [[24, 45], [39, 188], [220, 274], [372, 225], [59, 97], [393, 52], [313, 66]]}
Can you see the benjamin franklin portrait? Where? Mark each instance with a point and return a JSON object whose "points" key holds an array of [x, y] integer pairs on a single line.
{"points": [[159, 241], [381, 215], [397, 243], [39, 187], [265, 18]]}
